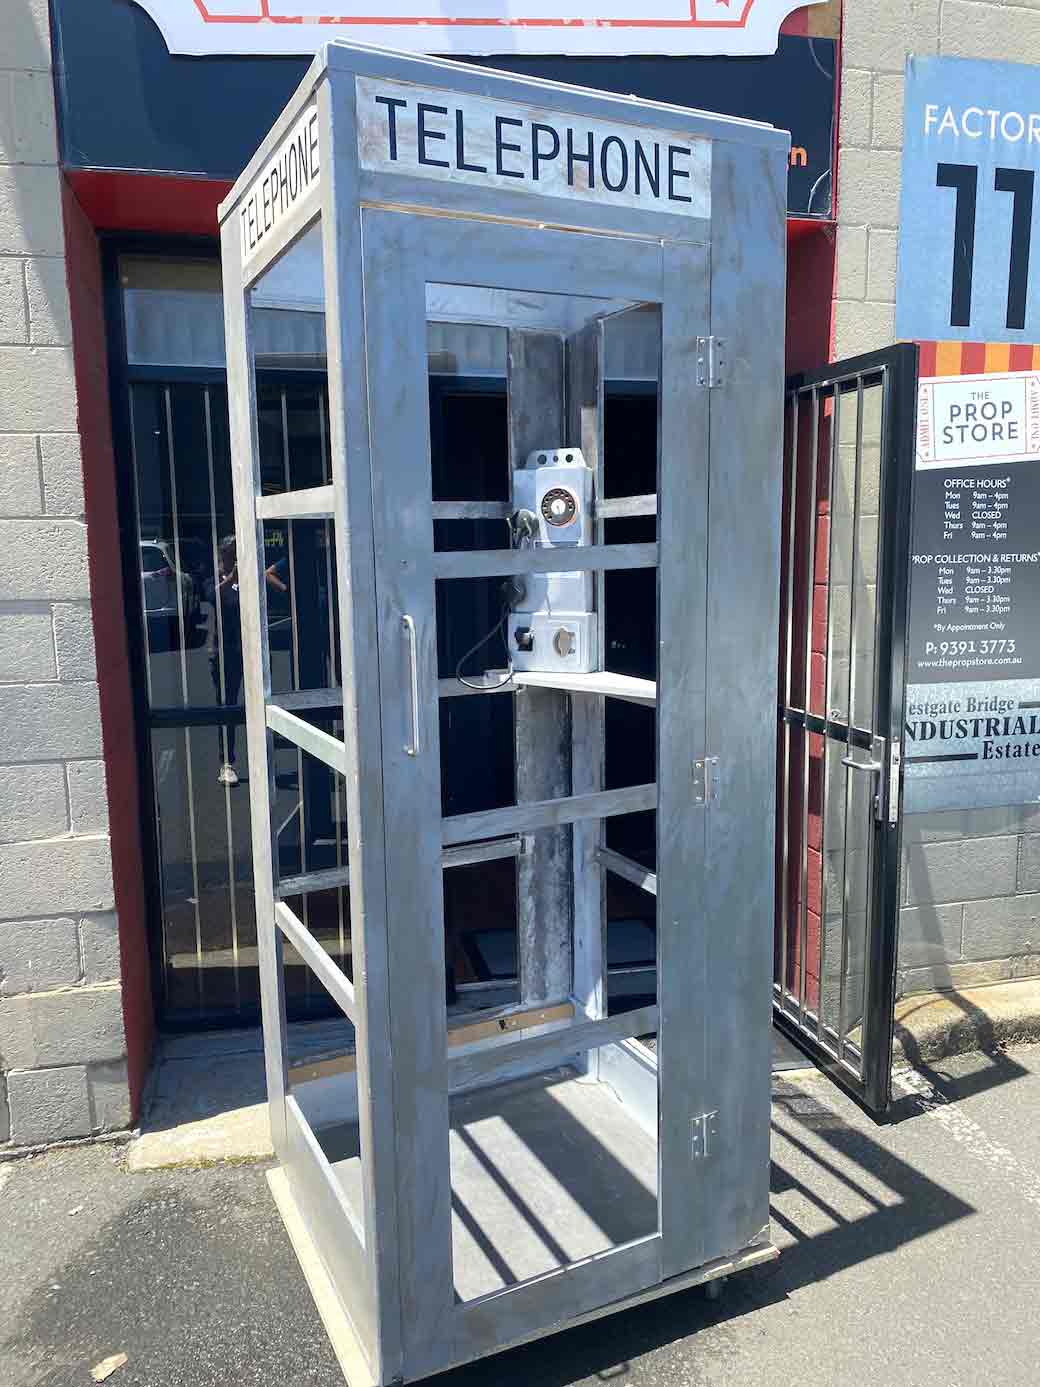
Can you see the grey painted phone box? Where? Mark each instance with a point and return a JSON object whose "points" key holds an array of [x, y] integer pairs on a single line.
{"points": [[457, 1184]]}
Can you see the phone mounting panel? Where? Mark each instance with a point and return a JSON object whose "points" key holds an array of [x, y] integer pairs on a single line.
{"points": [[553, 627]]}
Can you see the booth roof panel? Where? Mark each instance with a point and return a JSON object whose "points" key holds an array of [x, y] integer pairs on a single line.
{"points": [[341, 60], [492, 81], [296, 103]]}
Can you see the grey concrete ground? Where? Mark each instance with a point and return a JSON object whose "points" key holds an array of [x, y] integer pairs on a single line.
{"points": [[207, 1094], [909, 1260]]}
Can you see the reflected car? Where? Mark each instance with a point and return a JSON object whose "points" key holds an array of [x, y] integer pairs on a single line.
{"points": [[160, 580]]}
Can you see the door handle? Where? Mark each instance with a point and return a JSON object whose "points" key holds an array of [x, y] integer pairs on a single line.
{"points": [[413, 659], [875, 768], [861, 765]]}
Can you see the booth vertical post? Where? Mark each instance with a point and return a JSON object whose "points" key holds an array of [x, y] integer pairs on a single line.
{"points": [[585, 398], [257, 672], [351, 444], [545, 892]]}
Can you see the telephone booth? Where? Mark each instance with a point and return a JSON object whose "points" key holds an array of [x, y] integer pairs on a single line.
{"points": [[466, 1176]]}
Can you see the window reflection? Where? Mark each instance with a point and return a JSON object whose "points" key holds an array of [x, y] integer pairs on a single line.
{"points": [[191, 628]]}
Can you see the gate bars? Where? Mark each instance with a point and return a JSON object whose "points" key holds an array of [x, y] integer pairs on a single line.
{"points": [[849, 434]]}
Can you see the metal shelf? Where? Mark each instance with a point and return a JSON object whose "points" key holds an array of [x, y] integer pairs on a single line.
{"points": [[624, 686]]}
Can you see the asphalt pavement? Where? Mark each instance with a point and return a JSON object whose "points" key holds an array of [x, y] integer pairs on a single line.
{"points": [[908, 1259]]}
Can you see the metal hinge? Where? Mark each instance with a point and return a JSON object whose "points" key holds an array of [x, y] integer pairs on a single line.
{"points": [[711, 361], [702, 1129], [706, 777]]}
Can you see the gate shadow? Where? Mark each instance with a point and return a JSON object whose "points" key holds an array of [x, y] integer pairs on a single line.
{"points": [[996, 1066]]}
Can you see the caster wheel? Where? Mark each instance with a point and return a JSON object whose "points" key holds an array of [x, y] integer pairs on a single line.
{"points": [[713, 1289]]}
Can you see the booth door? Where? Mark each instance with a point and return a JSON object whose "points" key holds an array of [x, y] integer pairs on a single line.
{"points": [[849, 470], [576, 281]]}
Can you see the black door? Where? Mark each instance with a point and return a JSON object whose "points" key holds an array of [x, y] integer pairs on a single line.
{"points": [[190, 671], [191, 678], [849, 471]]}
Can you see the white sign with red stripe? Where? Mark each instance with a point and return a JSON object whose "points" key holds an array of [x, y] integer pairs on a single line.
{"points": [[676, 28], [966, 421]]}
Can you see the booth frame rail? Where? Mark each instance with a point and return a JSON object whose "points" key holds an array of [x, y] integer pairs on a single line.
{"points": [[378, 1255]]}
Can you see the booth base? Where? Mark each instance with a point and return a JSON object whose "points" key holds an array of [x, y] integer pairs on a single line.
{"points": [[344, 1341], [546, 1170]]}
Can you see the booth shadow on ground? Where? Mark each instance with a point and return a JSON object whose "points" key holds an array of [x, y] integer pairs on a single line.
{"points": [[191, 1273]]}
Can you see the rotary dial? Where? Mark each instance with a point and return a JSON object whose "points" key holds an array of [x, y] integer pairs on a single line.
{"points": [[559, 506]]}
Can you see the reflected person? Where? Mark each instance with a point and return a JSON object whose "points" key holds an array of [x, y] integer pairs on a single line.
{"points": [[226, 650], [226, 645]]}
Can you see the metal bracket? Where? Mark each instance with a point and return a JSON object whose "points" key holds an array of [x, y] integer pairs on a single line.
{"points": [[711, 361], [706, 779], [895, 757], [702, 1129], [541, 1016]]}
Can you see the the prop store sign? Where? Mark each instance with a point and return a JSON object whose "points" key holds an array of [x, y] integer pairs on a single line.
{"points": [[974, 419], [972, 735]]}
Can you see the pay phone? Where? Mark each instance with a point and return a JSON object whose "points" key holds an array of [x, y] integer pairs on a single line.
{"points": [[552, 626]]}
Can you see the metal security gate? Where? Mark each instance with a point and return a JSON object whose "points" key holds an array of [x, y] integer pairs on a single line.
{"points": [[849, 470], [189, 659]]}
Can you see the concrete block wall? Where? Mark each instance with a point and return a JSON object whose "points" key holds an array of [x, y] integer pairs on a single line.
{"points": [[971, 879], [970, 898], [63, 1067]]}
